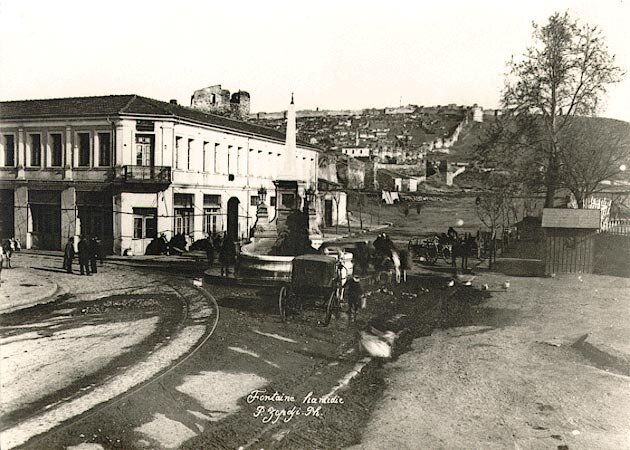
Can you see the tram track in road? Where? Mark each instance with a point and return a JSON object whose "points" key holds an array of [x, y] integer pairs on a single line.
{"points": [[123, 414], [204, 313], [299, 435]]}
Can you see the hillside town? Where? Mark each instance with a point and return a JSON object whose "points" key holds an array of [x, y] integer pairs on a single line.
{"points": [[199, 274]]}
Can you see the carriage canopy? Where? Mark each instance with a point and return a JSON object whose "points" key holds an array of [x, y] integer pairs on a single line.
{"points": [[314, 271]]}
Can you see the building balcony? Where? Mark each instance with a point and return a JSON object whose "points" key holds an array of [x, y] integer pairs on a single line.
{"points": [[159, 176]]}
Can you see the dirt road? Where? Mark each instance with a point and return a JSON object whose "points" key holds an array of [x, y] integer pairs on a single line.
{"points": [[203, 403], [544, 364]]}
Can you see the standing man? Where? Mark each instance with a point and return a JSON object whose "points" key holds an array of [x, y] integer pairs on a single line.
{"points": [[1, 261], [354, 294], [84, 256], [68, 255], [99, 250], [209, 250], [452, 234], [93, 248], [226, 254]]}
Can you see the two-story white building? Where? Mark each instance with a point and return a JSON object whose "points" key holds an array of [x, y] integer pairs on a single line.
{"points": [[128, 168]]}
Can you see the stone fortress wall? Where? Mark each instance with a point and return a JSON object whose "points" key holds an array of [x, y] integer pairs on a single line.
{"points": [[216, 100]]}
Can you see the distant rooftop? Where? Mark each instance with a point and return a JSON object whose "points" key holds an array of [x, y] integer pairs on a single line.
{"points": [[128, 105]]}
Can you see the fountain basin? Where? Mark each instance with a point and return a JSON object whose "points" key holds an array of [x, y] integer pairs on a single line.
{"points": [[258, 268]]}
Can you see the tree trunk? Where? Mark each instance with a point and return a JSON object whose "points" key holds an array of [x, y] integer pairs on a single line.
{"points": [[551, 182], [579, 199], [361, 210]]}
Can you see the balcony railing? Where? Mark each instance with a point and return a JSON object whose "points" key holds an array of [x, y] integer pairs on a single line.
{"points": [[143, 174]]}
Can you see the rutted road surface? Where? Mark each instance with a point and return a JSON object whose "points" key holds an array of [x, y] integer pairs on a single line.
{"points": [[202, 402], [105, 336]]}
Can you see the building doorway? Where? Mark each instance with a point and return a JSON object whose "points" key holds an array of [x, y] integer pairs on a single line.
{"points": [[45, 226], [328, 213], [232, 218], [94, 209], [144, 229], [7, 229]]}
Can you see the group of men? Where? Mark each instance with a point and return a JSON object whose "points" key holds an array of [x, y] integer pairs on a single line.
{"points": [[384, 249], [88, 249]]}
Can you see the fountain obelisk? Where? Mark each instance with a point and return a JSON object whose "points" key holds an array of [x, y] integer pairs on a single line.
{"points": [[290, 169]]}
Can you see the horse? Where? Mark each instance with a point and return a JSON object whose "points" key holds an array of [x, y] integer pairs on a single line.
{"points": [[463, 248], [9, 246], [157, 246], [389, 269]]}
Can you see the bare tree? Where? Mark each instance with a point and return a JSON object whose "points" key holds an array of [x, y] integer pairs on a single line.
{"points": [[490, 209], [496, 208], [336, 195], [592, 151], [564, 74]]}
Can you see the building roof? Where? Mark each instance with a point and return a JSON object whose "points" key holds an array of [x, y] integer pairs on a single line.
{"points": [[128, 105], [323, 182], [571, 218], [391, 173]]}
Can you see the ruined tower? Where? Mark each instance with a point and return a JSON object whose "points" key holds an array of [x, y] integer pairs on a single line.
{"points": [[214, 99]]}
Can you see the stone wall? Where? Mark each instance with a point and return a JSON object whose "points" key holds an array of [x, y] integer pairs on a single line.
{"points": [[216, 100], [351, 173], [211, 99]]}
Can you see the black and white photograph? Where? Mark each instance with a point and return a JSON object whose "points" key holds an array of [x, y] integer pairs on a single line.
{"points": [[299, 225]]}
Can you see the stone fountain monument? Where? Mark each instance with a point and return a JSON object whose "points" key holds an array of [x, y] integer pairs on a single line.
{"points": [[265, 258]]}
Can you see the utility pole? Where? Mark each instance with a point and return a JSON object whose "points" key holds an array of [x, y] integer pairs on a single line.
{"points": [[361, 209]]}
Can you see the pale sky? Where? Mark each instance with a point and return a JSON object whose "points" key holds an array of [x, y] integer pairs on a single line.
{"points": [[332, 54]]}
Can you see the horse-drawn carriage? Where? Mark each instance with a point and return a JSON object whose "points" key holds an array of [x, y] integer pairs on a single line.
{"points": [[429, 250], [317, 281]]}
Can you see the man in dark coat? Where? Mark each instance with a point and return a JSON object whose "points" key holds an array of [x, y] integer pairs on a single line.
{"points": [[389, 244], [362, 257], [209, 250], [93, 248], [380, 251], [452, 234], [354, 293], [84, 256], [68, 255], [226, 255], [99, 249]]}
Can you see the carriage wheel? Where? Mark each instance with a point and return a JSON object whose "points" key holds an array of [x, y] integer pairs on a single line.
{"points": [[480, 251], [332, 304], [382, 278], [283, 298], [342, 291], [431, 257], [447, 255]]}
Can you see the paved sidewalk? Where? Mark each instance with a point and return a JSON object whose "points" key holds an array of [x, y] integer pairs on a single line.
{"points": [[36, 279], [21, 288], [106, 334]]}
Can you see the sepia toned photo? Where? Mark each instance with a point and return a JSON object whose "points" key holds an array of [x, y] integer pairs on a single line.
{"points": [[314, 225]]}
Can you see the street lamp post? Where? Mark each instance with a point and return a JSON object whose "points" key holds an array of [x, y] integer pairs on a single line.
{"points": [[262, 194], [308, 198]]}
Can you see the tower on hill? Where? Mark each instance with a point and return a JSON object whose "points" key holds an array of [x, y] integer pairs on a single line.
{"points": [[214, 99]]}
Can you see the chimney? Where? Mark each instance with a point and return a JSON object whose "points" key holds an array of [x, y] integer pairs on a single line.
{"points": [[173, 101]]}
